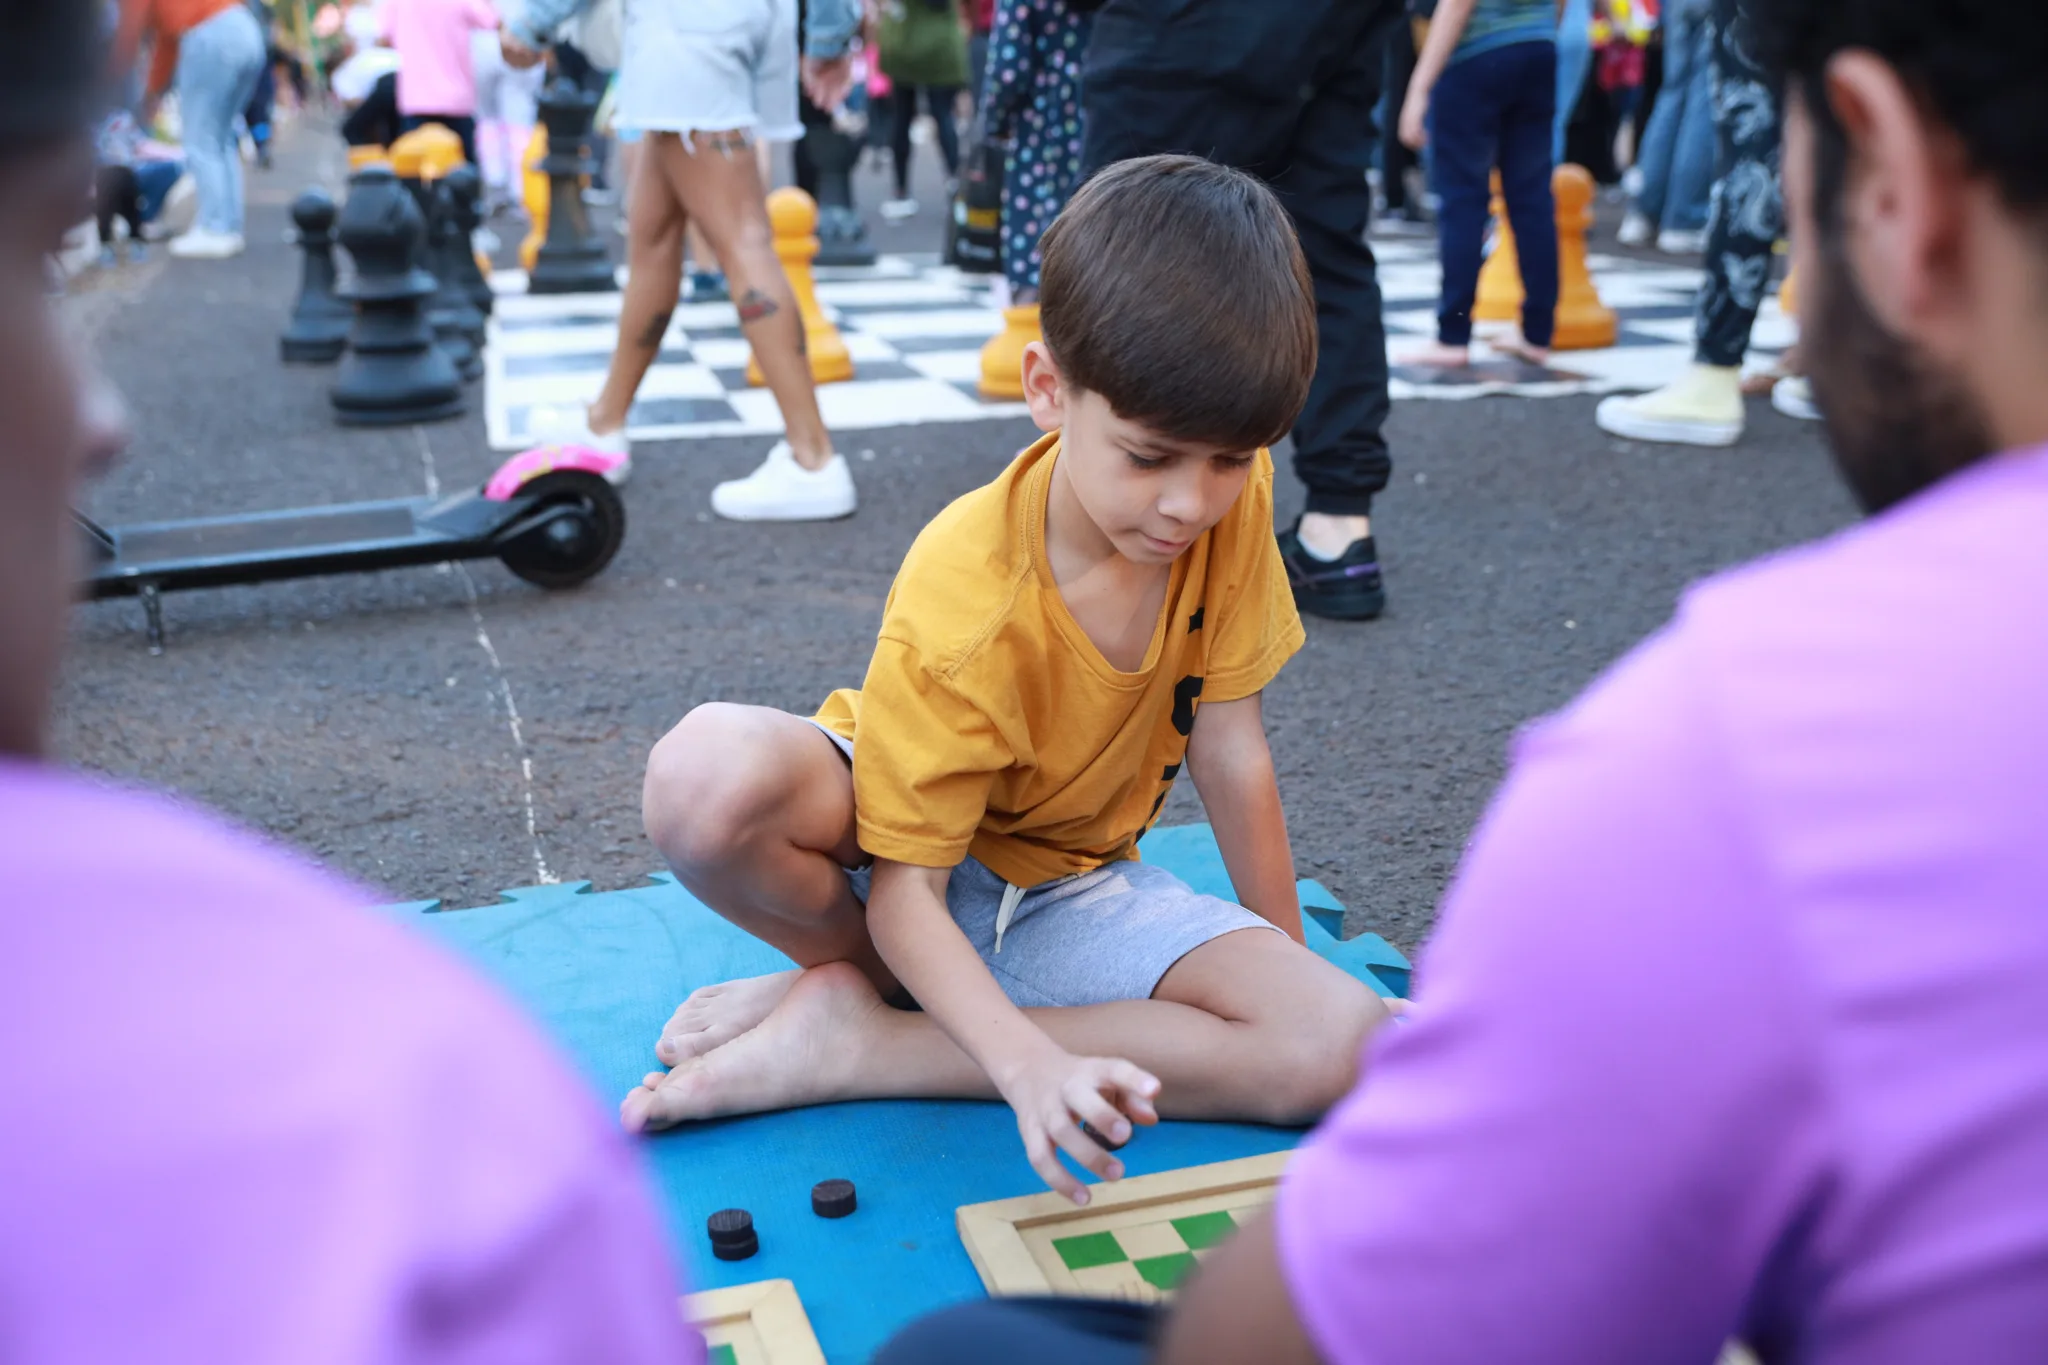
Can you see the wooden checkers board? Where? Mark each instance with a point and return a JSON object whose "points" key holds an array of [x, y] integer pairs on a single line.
{"points": [[763, 1323], [1136, 1239]]}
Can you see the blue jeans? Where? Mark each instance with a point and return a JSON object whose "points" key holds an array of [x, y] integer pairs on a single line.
{"points": [[1574, 62], [1491, 110], [218, 63], [1678, 146]]}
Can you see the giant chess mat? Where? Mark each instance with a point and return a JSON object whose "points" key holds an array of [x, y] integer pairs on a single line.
{"points": [[603, 972], [915, 331]]}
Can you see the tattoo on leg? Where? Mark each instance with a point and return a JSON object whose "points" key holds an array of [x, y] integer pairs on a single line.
{"points": [[657, 328], [755, 305]]}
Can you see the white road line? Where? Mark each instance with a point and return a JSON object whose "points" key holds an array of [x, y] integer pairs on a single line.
{"points": [[501, 689]]}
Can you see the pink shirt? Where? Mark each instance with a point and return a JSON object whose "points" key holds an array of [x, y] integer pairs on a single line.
{"points": [[1736, 1021], [432, 41], [244, 1120]]}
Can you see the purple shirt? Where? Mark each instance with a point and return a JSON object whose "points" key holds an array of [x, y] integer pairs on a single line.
{"points": [[1737, 1018], [243, 1120]]}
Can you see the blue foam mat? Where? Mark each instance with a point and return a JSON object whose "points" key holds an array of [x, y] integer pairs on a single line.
{"points": [[604, 972]]}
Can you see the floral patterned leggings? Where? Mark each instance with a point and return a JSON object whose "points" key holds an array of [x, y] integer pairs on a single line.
{"points": [[1748, 214]]}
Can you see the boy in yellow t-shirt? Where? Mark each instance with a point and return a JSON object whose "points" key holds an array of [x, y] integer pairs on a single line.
{"points": [[950, 852]]}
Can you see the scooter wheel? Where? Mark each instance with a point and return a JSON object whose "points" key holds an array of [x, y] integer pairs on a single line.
{"points": [[575, 547]]}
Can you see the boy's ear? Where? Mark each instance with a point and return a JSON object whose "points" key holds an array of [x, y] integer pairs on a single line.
{"points": [[1045, 389]]}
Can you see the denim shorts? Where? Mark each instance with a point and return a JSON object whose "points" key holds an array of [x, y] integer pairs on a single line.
{"points": [[1109, 934], [701, 66]]}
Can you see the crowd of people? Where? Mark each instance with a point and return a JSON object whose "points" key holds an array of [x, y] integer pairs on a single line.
{"points": [[1731, 1025]]}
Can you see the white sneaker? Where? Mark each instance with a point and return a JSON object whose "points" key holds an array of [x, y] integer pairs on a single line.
{"points": [[1681, 242], [783, 490], [1702, 407], [204, 244], [896, 210], [1636, 229], [570, 426], [1793, 396]]}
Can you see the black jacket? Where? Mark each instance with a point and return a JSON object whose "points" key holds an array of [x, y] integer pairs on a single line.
{"points": [[1266, 50]]}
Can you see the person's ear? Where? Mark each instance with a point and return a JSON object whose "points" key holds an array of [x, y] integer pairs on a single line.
{"points": [[1045, 389], [1903, 199]]}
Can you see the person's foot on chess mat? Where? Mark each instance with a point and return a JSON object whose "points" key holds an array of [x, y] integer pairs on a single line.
{"points": [[1702, 407], [570, 426], [1347, 588], [783, 490], [896, 210]]}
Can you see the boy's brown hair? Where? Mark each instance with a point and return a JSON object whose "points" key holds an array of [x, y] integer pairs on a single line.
{"points": [[1175, 289]]}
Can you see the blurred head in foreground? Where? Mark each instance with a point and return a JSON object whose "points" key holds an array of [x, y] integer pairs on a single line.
{"points": [[58, 419]]}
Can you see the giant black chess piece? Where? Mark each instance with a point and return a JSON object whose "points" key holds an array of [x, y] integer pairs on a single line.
{"points": [[842, 237], [394, 372], [457, 322], [466, 192], [572, 259], [318, 331]]}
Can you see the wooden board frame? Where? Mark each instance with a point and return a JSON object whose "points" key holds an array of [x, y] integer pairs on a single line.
{"points": [[770, 1307], [994, 1233]]}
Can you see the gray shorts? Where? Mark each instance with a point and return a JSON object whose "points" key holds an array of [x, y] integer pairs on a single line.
{"points": [[1110, 934]]}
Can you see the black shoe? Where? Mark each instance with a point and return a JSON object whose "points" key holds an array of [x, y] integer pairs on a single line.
{"points": [[1348, 588]]}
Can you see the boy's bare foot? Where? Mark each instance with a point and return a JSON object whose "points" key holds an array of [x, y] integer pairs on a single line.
{"points": [[802, 1053], [715, 1015], [1516, 345], [1437, 356]]}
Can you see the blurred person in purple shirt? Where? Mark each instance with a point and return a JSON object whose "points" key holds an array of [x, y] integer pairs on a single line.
{"points": [[1735, 1024], [241, 1118]]}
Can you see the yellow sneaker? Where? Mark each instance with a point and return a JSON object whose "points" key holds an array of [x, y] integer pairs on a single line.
{"points": [[1702, 407]]}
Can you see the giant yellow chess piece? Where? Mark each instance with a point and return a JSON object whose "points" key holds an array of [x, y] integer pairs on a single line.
{"points": [[793, 216], [1500, 279], [1002, 359], [428, 152], [1584, 323], [534, 191]]}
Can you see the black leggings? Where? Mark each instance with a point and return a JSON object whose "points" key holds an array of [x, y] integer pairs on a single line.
{"points": [[939, 101]]}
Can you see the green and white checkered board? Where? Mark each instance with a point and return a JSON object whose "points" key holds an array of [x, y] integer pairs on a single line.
{"points": [[1145, 1260]]}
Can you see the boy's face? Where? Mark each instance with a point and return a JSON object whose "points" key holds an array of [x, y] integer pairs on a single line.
{"points": [[59, 423], [1148, 495]]}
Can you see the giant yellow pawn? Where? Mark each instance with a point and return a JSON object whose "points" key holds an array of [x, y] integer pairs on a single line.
{"points": [[534, 192], [793, 217], [1002, 359], [1500, 279], [428, 152], [1584, 323]]}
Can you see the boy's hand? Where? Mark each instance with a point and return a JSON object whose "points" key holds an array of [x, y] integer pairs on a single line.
{"points": [[1054, 1090]]}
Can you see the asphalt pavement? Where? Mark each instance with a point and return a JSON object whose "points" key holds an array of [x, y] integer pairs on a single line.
{"points": [[448, 732]]}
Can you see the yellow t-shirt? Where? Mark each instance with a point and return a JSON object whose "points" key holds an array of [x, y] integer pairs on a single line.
{"points": [[989, 722]]}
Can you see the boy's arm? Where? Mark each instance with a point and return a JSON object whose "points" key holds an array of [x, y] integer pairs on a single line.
{"points": [[1233, 770], [1445, 29], [1048, 1087]]}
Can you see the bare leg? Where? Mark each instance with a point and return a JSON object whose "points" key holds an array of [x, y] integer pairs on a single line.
{"points": [[718, 182], [753, 809], [1248, 1026], [654, 255]]}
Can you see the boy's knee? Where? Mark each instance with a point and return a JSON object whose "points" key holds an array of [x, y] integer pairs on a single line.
{"points": [[1305, 1078], [706, 788]]}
